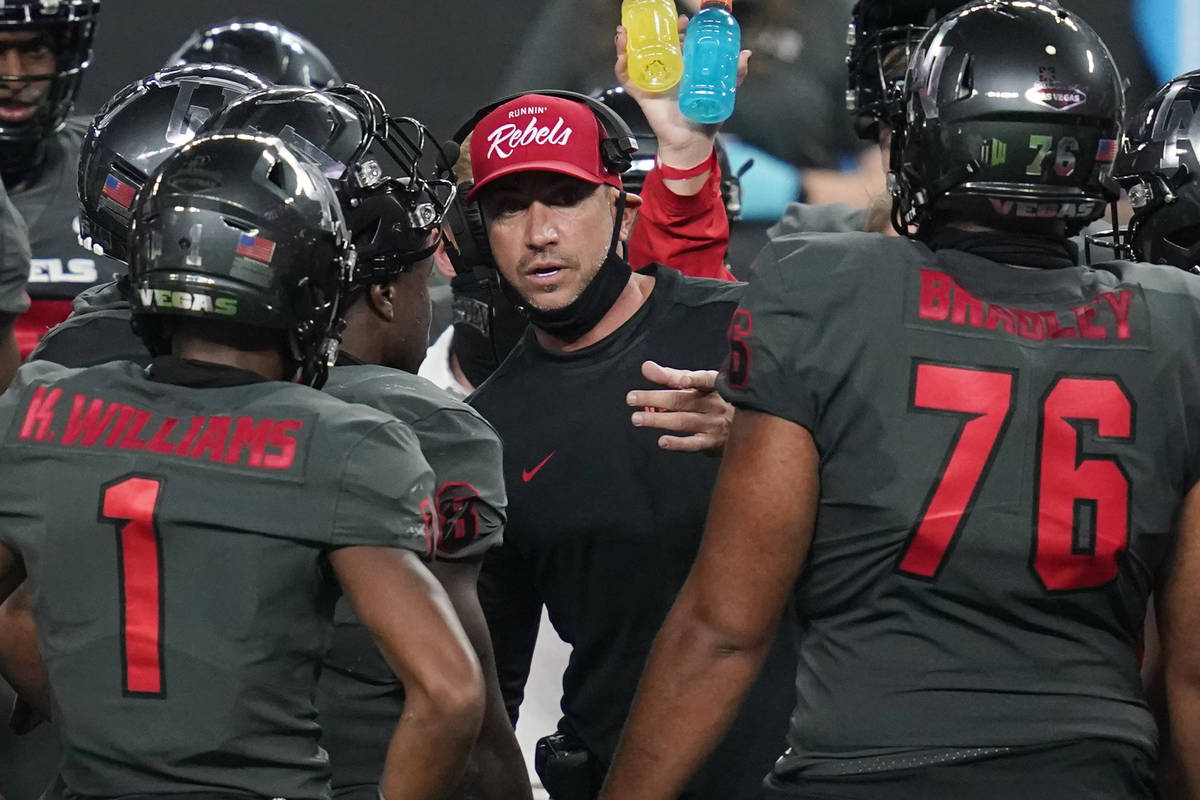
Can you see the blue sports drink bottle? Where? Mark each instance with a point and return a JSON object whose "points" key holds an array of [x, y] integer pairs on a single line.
{"points": [[710, 63]]}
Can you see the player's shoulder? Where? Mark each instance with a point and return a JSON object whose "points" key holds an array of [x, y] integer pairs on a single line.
{"points": [[818, 218], [410, 398], [805, 259], [37, 373], [334, 414], [1154, 277], [73, 132], [1172, 296]]}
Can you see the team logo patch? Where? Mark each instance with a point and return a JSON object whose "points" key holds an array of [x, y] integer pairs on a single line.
{"points": [[256, 247], [118, 191], [1106, 153], [1055, 96]]}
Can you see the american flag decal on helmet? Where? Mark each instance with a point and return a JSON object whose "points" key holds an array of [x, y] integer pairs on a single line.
{"points": [[1106, 153], [256, 247], [118, 191]]}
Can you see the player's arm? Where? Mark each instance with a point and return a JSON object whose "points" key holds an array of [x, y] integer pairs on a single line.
{"points": [[720, 629], [513, 610], [416, 630], [10, 355], [1179, 632], [682, 222], [496, 768], [21, 662]]}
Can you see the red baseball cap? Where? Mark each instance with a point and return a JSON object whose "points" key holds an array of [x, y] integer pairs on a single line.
{"points": [[539, 132]]}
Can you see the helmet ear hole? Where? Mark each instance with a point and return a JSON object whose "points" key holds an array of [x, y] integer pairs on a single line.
{"points": [[966, 79], [277, 175]]}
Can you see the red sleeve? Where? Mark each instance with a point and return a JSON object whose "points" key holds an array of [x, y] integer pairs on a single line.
{"points": [[690, 234]]}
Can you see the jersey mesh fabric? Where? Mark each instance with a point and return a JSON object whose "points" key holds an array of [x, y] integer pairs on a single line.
{"points": [[59, 268], [359, 699], [240, 586], [917, 370]]}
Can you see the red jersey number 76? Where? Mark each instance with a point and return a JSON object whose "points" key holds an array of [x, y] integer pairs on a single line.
{"points": [[1082, 501]]}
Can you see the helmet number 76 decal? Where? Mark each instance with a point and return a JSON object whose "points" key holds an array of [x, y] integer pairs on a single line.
{"points": [[1066, 155], [1081, 514]]}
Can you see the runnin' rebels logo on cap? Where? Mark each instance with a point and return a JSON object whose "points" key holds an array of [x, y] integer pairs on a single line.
{"points": [[505, 140], [539, 133]]}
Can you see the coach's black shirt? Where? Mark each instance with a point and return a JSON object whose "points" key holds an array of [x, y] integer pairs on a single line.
{"points": [[604, 525]]}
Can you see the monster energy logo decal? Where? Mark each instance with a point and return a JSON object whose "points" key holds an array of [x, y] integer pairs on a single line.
{"points": [[993, 153]]}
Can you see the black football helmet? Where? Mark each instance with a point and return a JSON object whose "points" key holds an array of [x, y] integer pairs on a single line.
{"points": [[1159, 168], [134, 132], [391, 176], [69, 26], [236, 228], [268, 49], [644, 157], [882, 37], [1012, 114]]}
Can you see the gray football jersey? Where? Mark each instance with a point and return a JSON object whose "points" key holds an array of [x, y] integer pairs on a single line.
{"points": [[60, 268], [1003, 452], [359, 698], [181, 589]]}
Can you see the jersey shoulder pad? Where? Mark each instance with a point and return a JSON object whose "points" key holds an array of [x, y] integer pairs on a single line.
{"points": [[818, 218]]}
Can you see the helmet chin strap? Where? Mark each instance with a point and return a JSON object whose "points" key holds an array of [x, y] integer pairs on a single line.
{"points": [[575, 319]]}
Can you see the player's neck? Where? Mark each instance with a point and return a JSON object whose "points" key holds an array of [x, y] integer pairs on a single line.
{"points": [[632, 297], [266, 363]]}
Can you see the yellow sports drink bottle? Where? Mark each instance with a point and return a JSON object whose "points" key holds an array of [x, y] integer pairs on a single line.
{"points": [[655, 60]]}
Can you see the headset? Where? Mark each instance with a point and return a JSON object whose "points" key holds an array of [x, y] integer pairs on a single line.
{"points": [[465, 216]]}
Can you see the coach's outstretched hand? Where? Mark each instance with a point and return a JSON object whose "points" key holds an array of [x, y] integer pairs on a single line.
{"points": [[690, 407]]}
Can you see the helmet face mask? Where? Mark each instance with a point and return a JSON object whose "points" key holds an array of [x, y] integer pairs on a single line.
{"points": [[65, 29], [134, 132], [882, 36], [1159, 167], [1012, 114], [238, 229], [392, 179]]}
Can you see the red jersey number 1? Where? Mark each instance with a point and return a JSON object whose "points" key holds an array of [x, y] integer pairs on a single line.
{"points": [[131, 503]]}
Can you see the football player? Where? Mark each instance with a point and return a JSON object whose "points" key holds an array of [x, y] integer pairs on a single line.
{"points": [[395, 189], [999, 444], [268, 49], [394, 202], [1158, 166], [184, 592], [45, 49]]}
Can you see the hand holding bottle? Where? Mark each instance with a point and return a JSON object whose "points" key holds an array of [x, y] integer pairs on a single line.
{"points": [[682, 143]]}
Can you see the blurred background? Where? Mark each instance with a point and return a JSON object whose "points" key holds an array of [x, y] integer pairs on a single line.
{"points": [[440, 61]]}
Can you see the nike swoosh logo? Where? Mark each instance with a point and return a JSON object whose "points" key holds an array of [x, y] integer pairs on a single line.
{"points": [[527, 474]]}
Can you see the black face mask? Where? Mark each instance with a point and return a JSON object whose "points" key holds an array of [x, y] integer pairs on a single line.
{"points": [[486, 325], [583, 313]]}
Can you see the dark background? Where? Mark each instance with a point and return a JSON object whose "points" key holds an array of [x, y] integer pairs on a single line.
{"points": [[434, 60]]}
